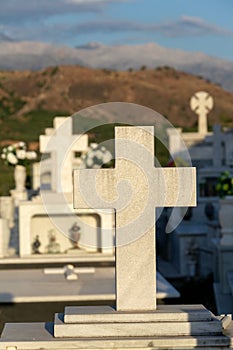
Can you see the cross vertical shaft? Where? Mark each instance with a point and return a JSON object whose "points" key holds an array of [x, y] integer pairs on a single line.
{"points": [[61, 144], [135, 259]]}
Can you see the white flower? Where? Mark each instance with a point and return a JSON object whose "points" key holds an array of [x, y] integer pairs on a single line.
{"points": [[94, 145], [21, 144], [91, 154], [31, 155], [21, 154], [4, 150], [89, 162], [11, 158], [99, 154], [107, 157], [96, 156], [3, 156], [10, 148]]}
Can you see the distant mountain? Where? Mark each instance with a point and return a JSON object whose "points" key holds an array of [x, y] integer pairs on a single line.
{"points": [[28, 55], [152, 55], [35, 56]]}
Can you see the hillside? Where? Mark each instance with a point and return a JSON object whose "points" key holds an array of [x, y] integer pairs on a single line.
{"points": [[30, 100]]}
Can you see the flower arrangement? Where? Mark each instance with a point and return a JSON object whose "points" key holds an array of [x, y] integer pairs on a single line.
{"points": [[96, 156], [224, 185], [17, 154]]}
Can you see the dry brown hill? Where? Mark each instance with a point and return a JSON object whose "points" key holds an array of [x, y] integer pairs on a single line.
{"points": [[29, 100]]}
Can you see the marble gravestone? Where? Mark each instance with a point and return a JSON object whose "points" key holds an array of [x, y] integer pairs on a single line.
{"points": [[202, 103], [151, 187], [61, 144], [134, 188], [53, 209], [199, 143]]}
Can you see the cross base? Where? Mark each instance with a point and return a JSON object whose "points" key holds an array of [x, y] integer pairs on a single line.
{"points": [[106, 322], [95, 327]]}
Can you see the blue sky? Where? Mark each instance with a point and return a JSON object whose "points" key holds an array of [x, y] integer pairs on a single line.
{"points": [[192, 25]]}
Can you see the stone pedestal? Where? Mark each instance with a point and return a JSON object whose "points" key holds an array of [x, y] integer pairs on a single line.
{"points": [[19, 196], [225, 257], [187, 240], [97, 231], [4, 237], [224, 248], [226, 221], [102, 327], [7, 209], [104, 322]]}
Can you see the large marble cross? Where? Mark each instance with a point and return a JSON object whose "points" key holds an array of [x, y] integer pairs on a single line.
{"points": [[134, 188], [60, 142]]}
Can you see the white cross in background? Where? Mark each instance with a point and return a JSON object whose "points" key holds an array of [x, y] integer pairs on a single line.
{"points": [[61, 143], [202, 103]]}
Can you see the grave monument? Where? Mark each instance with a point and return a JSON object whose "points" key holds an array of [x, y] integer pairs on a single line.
{"points": [[210, 153], [134, 188], [52, 209], [57, 141], [201, 103]]}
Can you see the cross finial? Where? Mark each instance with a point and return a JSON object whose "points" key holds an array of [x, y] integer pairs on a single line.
{"points": [[202, 103]]}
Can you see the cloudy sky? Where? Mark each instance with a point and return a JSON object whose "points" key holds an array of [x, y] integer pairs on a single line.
{"points": [[192, 25]]}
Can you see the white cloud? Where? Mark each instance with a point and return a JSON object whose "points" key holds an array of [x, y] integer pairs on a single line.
{"points": [[185, 26], [199, 25], [26, 10], [26, 20]]}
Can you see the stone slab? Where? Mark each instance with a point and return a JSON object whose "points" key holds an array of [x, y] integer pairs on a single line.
{"points": [[54, 288], [168, 313], [134, 329], [4, 237], [164, 289], [37, 336], [45, 288], [62, 270], [57, 259]]}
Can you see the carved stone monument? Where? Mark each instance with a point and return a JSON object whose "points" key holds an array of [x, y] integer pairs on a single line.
{"points": [[134, 188], [151, 187], [202, 103], [57, 141]]}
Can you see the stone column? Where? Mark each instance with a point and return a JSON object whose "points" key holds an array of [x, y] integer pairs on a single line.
{"points": [[4, 238], [226, 221]]}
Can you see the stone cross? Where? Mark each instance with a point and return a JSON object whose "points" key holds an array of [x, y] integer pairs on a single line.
{"points": [[134, 188], [202, 103], [61, 143]]}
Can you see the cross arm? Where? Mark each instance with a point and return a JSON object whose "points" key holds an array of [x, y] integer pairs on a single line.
{"points": [[94, 188], [177, 187]]}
